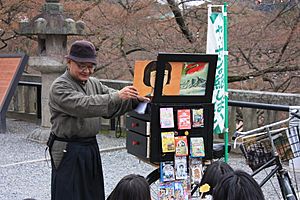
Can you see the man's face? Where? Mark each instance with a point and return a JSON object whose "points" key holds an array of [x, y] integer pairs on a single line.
{"points": [[81, 71]]}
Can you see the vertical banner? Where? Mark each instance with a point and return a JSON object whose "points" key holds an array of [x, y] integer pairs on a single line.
{"points": [[216, 44]]}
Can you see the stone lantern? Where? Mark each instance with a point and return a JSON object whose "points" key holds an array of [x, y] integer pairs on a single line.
{"points": [[52, 29]]}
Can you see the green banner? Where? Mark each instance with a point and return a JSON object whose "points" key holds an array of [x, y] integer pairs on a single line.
{"points": [[216, 45]]}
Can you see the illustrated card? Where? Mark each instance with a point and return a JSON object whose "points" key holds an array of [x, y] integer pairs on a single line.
{"points": [[181, 146], [194, 78], [196, 170], [166, 118], [197, 147], [198, 119], [167, 142], [184, 119], [180, 190], [145, 77], [167, 172], [166, 191], [180, 167], [180, 78]]}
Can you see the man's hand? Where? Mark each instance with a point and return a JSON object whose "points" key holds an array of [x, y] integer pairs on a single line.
{"points": [[143, 99], [130, 92]]}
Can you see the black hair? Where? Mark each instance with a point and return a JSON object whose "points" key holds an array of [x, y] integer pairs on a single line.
{"points": [[236, 186], [213, 174], [150, 67], [131, 187]]}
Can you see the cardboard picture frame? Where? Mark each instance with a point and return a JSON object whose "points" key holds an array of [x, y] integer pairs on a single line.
{"points": [[164, 97]]}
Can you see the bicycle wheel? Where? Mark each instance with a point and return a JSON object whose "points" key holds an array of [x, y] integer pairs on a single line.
{"points": [[153, 180], [287, 189]]}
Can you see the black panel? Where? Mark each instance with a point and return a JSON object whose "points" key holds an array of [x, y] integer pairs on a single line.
{"points": [[206, 131], [176, 102]]}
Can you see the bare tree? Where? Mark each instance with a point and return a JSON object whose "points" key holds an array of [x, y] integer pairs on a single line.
{"points": [[263, 43], [269, 50]]}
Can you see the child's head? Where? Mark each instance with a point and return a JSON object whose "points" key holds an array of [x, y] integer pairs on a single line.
{"points": [[214, 173], [131, 187], [238, 185]]}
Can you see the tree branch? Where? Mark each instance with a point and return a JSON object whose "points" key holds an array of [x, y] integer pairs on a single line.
{"points": [[90, 7], [254, 74], [251, 66], [135, 50], [4, 40], [294, 28], [180, 21]]}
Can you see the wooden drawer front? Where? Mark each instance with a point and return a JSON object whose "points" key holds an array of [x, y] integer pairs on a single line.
{"points": [[137, 125], [138, 145]]}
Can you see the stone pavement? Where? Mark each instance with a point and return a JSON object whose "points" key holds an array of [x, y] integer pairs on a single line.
{"points": [[25, 173]]}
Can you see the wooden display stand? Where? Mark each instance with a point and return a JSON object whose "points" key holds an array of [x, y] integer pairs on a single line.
{"points": [[11, 69], [144, 130]]}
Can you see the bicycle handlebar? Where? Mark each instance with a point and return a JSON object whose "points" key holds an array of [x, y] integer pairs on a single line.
{"points": [[239, 134], [295, 114]]}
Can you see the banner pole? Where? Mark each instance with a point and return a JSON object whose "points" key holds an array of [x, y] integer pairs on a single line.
{"points": [[226, 79]]}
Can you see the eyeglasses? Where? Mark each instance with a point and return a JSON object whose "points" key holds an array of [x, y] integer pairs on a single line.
{"points": [[84, 66]]}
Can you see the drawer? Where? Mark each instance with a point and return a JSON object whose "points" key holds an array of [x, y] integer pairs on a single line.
{"points": [[137, 125], [138, 145]]}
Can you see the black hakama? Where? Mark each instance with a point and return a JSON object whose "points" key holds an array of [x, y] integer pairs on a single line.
{"points": [[79, 175]]}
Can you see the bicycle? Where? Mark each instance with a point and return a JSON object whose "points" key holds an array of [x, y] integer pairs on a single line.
{"points": [[154, 176], [268, 146]]}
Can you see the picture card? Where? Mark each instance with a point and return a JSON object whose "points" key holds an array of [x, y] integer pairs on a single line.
{"points": [[180, 167], [184, 119], [196, 170], [181, 146], [197, 147], [168, 142], [167, 172], [166, 118], [166, 191], [180, 189], [198, 119]]}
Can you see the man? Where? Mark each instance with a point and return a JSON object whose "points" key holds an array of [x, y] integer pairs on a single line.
{"points": [[76, 102]]}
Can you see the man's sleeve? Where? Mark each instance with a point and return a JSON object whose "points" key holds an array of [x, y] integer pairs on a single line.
{"points": [[65, 98], [121, 107]]}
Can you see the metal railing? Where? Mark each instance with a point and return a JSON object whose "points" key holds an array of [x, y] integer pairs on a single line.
{"points": [[27, 101]]}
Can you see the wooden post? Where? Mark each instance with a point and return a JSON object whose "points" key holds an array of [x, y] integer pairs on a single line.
{"points": [[249, 119]]}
